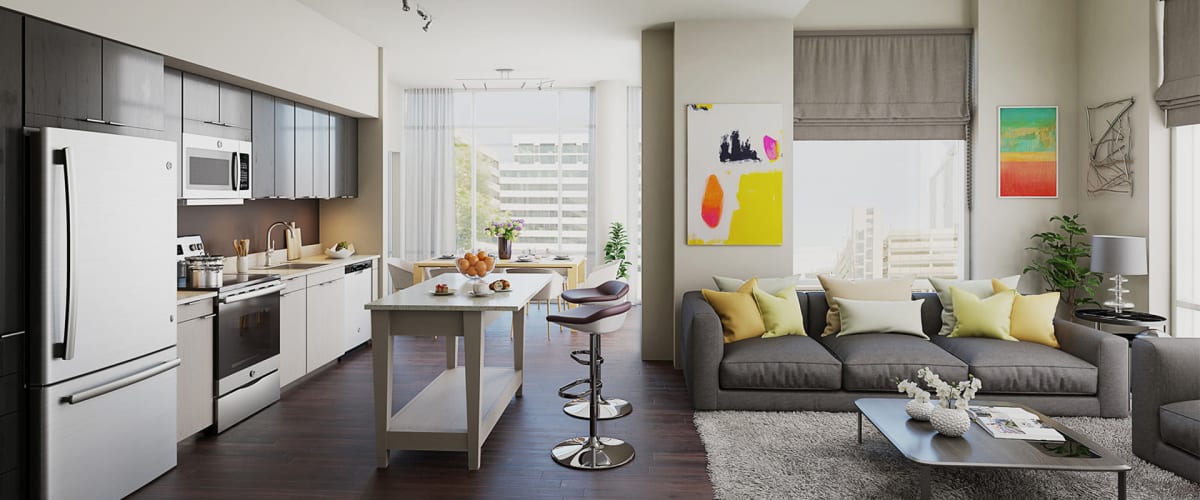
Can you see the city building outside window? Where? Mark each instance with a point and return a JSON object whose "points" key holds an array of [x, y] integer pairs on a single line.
{"points": [[523, 155], [879, 209]]}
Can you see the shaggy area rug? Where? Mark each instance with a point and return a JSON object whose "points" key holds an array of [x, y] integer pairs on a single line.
{"points": [[816, 455]]}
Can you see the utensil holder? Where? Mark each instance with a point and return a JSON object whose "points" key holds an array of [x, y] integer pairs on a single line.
{"points": [[243, 264]]}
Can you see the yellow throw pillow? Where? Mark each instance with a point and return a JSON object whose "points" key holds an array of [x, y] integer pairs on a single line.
{"points": [[738, 312], [781, 313], [976, 317], [1032, 316], [891, 289]]}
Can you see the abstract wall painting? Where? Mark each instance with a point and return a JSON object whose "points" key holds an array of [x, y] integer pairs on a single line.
{"points": [[1028, 137], [734, 174]]}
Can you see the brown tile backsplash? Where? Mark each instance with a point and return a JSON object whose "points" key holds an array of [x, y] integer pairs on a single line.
{"points": [[219, 225]]}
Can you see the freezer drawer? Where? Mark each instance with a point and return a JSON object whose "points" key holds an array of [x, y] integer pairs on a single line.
{"points": [[117, 435]]}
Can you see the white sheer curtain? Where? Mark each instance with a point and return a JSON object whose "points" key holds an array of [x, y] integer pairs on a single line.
{"points": [[427, 189]]}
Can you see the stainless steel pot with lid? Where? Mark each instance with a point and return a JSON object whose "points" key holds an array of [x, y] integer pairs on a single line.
{"points": [[205, 271]]}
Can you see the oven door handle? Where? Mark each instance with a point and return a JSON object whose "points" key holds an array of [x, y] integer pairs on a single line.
{"points": [[256, 293]]}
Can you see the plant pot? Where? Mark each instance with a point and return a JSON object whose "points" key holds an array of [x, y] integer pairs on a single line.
{"points": [[504, 248], [919, 410], [952, 422]]}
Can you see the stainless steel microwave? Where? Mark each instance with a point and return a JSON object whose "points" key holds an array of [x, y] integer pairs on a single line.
{"points": [[215, 169]]}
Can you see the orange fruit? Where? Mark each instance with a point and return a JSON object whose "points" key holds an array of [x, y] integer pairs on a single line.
{"points": [[491, 262], [462, 264], [472, 258], [481, 255], [481, 267]]}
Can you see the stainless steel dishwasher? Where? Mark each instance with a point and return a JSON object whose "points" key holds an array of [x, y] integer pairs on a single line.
{"points": [[358, 294]]}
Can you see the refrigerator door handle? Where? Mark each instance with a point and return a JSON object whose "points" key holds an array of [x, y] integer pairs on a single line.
{"points": [[68, 349], [120, 383]]}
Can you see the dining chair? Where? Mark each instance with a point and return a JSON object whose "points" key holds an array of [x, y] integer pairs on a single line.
{"points": [[401, 272], [600, 275], [551, 292]]}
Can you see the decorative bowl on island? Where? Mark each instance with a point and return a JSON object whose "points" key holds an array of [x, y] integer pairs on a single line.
{"points": [[475, 265]]}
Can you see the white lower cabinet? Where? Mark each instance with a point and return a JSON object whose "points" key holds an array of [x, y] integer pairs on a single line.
{"points": [[194, 384], [293, 331], [326, 318]]}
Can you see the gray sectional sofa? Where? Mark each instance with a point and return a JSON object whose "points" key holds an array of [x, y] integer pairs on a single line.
{"points": [[1166, 404], [1089, 375]]}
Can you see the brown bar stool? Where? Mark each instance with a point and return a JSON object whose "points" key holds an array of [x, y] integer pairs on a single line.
{"points": [[608, 293], [591, 452]]}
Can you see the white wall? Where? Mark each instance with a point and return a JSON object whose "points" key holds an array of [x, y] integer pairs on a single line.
{"points": [[1118, 45], [729, 62], [610, 172], [884, 14], [1026, 55], [272, 45]]}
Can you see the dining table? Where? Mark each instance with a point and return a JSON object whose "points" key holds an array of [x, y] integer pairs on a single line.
{"points": [[460, 407], [572, 265]]}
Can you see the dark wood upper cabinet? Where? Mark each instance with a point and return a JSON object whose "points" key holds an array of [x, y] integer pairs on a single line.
{"points": [[172, 112], [12, 179], [132, 86], [285, 148], [201, 99], [321, 154], [91, 83], [235, 106], [63, 72], [304, 151], [262, 138]]}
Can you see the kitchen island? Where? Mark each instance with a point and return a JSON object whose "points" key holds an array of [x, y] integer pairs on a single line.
{"points": [[457, 411]]}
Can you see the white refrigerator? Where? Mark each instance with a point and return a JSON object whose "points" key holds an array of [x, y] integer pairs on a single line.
{"points": [[102, 359]]}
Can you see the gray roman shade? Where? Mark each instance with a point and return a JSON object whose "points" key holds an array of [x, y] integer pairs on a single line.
{"points": [[882, 85], [1179, 94]]}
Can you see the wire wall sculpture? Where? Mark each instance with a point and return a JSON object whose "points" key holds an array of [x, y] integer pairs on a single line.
{"points": [[1111, 169]]}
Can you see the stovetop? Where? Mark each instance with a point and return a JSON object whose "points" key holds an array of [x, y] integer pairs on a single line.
{"points": [[233, 281]]}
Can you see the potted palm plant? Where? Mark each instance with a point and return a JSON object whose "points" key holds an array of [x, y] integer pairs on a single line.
{"points": [[614, 250]]}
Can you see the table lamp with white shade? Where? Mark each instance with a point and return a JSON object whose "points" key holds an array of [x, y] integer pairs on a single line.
{"points": [[1119, 256]]}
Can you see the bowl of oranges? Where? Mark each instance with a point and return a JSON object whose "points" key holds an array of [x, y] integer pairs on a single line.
{"points": [[476, 265]]}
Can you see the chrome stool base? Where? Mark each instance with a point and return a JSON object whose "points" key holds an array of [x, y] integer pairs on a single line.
{"points": [[610, 408], [592, 453]]}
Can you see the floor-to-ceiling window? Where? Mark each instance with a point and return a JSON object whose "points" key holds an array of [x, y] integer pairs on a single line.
{"points": [[878, 209], [523, 155], [1186, 220]]}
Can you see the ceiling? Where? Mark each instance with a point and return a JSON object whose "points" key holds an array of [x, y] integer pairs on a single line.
{"points": [[575, 42]]}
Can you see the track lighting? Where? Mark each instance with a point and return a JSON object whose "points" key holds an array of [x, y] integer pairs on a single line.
{"points": [[404, 5], [427, 23], [425, 16]]}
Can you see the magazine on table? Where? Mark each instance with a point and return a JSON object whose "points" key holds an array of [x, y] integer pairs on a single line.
{"points": [[1004, 422]]}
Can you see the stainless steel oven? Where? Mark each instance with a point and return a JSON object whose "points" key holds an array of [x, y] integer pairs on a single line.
{"points": [[215, 169], [246, 350]]}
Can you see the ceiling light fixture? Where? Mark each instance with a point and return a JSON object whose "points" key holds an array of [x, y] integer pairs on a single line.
{"points": [[425, 16], [506, 82], [404, 5]]}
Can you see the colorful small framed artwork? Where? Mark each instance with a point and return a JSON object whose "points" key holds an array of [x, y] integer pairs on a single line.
{"points": [[735, 174], [1028, 146]]}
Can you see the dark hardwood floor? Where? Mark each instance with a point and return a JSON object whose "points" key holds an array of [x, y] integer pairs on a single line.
{"points": [[318, 442]]}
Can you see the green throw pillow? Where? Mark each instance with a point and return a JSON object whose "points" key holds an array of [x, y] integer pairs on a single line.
{"points": [[976, 317], [781, 313]]}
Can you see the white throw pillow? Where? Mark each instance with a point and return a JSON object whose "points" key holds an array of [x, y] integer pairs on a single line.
{"points": [[770, 285], [980, 288], [880, 316]]}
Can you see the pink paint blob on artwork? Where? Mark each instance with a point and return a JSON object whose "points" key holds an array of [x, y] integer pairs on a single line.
{"points": [[771, 146], [713, 201]]}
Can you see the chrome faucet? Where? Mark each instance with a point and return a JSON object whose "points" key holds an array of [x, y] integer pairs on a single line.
{"points": [[270, 242]]}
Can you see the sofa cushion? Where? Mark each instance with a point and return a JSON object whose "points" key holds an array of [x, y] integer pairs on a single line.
{"points": [[1179, 425], [1021, 367], [782, 363], [816, 308], [876, 361]]}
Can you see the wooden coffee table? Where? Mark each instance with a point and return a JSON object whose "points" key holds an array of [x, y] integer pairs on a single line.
{"points": [[919, 443]]}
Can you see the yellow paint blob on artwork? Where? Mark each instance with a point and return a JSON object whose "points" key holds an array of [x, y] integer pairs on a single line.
{"points": [[759, 217]]}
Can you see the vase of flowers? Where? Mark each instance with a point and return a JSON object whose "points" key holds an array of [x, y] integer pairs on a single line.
{"points": [[919, 407], [505, 232], [950, 417]]}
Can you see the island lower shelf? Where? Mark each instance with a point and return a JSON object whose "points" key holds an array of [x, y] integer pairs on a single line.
{"points": [[436, 419]]}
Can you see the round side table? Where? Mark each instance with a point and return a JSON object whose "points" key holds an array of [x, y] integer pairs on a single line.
{"points": [[1152, 325]]}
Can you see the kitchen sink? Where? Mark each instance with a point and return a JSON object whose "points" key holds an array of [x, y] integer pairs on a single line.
{"points": [[293, 266]]}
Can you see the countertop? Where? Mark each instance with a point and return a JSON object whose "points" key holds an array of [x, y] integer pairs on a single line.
{"points": [[186, 297], [419, 297]]}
